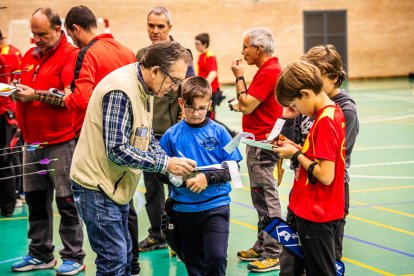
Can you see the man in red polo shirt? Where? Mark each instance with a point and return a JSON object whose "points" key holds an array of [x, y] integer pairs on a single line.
{"points": [[51, 66], [10, 59], [260, 112]]}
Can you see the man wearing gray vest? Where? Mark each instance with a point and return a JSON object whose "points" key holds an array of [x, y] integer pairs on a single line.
{"points": [[116, 144]]}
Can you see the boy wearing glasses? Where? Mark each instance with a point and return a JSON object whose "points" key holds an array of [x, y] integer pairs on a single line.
{"points": [[202, 207]]}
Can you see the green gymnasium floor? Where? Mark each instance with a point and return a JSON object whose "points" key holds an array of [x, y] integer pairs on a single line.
{"points": [[380, 230]]}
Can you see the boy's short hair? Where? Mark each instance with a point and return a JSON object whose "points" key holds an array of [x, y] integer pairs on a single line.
{"points": [[195, 87], [204, 38], [297, 76], [328, 60]]}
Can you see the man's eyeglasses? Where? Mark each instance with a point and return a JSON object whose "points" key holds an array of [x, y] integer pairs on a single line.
{"points": [[201, 110], [176, 82], [247, 46]]}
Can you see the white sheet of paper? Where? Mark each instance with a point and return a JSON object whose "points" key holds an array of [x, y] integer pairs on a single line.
{"points": [[277, 128], [6, 89], [234, 143], [235, 174]]}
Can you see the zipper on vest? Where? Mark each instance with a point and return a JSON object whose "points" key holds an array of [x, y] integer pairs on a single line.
{"points": [[117, 182]]}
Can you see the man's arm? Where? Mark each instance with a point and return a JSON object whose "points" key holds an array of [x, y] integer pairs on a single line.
{"points": [[247, 103], [117, 128]]}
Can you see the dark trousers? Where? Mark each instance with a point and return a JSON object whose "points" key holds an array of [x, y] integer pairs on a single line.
{"points": [[40, 191], [204, 240], [8, 187], [339, 235], [318, 244], [155, 201], [133, 228]]}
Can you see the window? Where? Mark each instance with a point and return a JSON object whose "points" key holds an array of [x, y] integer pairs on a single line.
{"points": [[327, 27]]}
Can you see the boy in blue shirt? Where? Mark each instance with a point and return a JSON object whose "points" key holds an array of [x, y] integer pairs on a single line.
{"points": [[201, 209]]}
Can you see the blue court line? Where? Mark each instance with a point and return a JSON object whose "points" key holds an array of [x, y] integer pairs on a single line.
{"points": [[382, 204], [349, 237], [380, 246]]}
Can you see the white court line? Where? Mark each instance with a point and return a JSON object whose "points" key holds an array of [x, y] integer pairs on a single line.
{"points": [[381, 177], [383, 164], [383, 148], [385, 119]]}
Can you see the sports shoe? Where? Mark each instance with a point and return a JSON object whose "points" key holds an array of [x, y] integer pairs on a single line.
{"points": [[248, 255], [69, 267], [264, 265], [30, 263], [150, 243]]}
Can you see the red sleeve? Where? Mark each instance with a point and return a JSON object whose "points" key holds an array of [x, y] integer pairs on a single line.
{"points": [[85, 84], [326, 143], [261, 86], [211, 64]]}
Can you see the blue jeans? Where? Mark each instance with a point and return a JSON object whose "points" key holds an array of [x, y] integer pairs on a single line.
{"points": [[107, 226]]}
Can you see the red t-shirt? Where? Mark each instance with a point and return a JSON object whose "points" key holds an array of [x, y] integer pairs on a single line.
{"points": [[38, 121], [10, 59], [103, 57], [325, 141], [261, 121], [206, 63]]}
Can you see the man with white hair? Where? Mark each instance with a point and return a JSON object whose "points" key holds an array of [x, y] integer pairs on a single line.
{"points": [[260, 112]]}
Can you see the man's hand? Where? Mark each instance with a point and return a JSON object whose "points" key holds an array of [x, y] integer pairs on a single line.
{"points": [[181, 166], [237, 67], [198, 183], [234, 105], [25, 93]]}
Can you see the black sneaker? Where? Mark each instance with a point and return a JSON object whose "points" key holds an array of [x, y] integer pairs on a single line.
{"points": [[135, 268], [150, 243]]}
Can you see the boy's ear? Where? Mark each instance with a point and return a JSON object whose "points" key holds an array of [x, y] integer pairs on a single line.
{"points": [[181, 101], [306, 92]]}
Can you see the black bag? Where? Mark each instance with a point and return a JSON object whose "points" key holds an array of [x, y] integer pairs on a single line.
{"points": [[169, 227]]}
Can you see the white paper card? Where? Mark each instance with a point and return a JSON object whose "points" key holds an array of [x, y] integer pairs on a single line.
{"points": [[234, 143], [277, 128], [235, 174]]}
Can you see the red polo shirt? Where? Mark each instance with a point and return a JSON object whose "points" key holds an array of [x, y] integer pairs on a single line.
{"points": [[10, 59], [261, 121], [38, 121], [97, 59], [206, 63], [325, 141]]}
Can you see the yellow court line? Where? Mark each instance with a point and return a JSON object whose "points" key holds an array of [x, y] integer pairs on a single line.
{"points": [[381, 225], [384, 209], [368, 267], [393, 211], [377, 270], [382, 189]]}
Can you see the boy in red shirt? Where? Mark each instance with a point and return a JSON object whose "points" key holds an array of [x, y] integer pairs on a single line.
{"points": [[317, 197]]}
